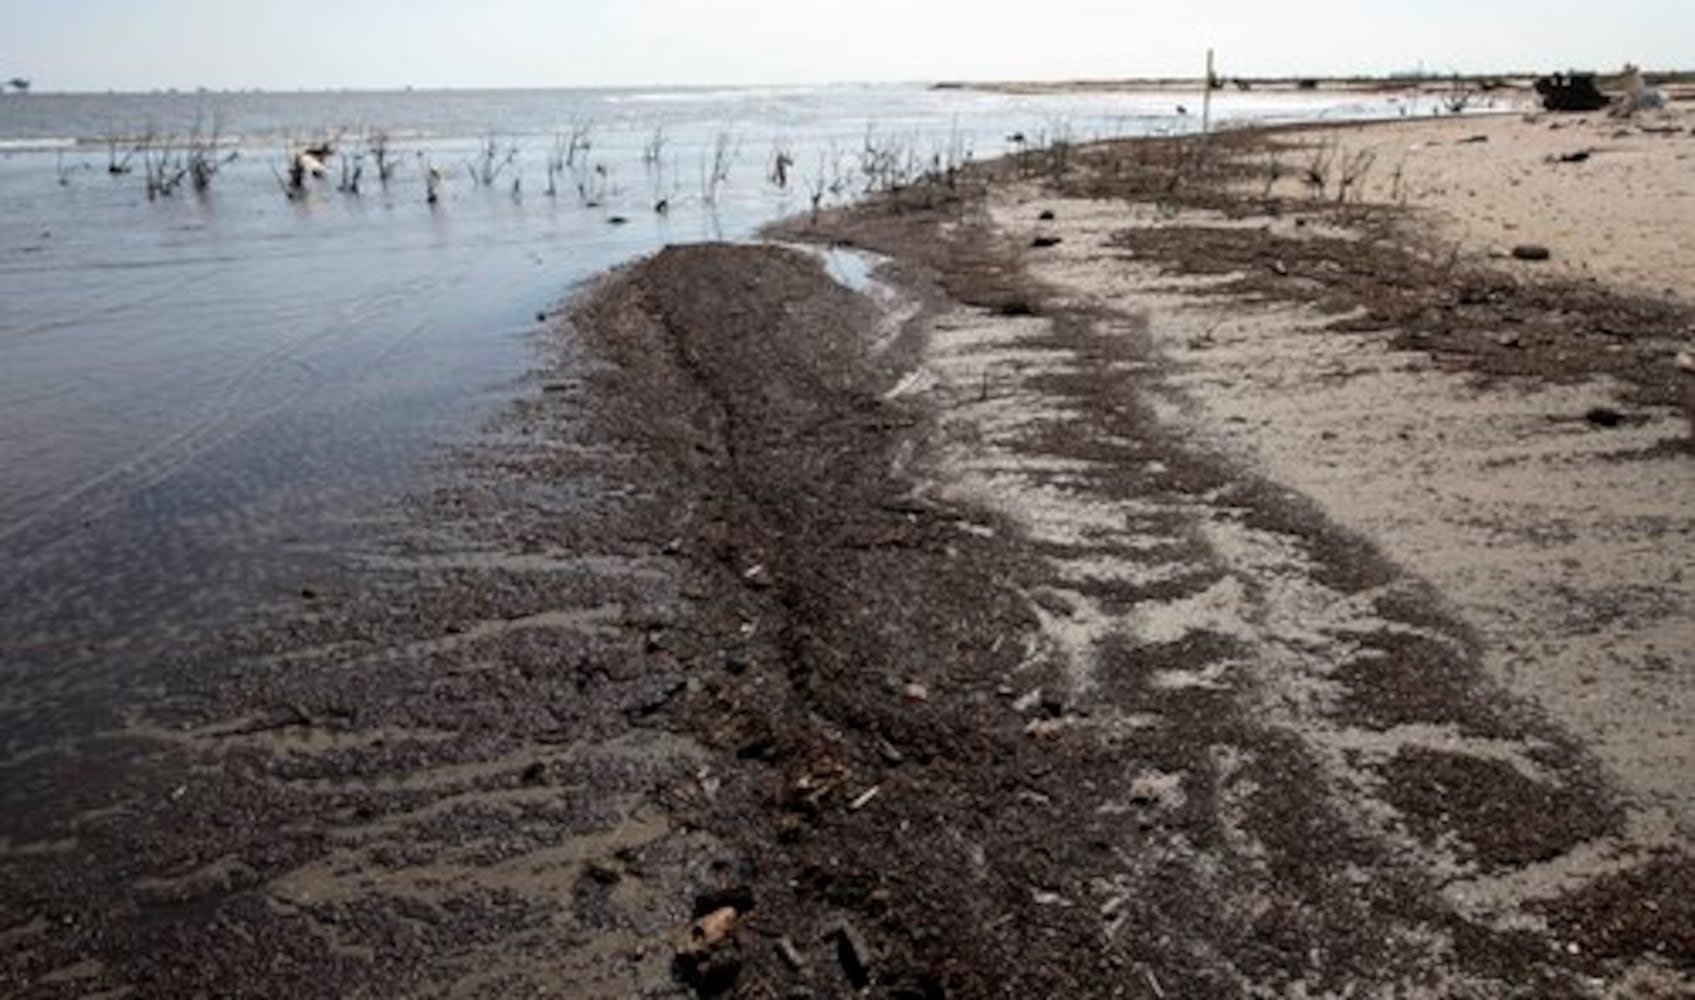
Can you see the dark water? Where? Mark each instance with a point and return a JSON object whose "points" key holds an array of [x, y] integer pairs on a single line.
{"points": [[202, 394]]}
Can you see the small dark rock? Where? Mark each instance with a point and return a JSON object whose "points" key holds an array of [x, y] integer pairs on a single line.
{"points": [[604, 873], [617, 220], [763, 747], [711, 973], [921, 988], [660, 694], [1047, 215], [1043, 242], [1531, 251], [852, 953], [1605, 416]]}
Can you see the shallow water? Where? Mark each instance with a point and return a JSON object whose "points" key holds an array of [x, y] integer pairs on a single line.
{"points": [[199, 394]]}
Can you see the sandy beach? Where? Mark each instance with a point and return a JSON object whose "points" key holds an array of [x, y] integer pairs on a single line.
{"points": [[1166, 568], [1607, 196]]}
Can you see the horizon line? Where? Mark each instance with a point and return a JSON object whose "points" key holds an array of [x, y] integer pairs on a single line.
{"points": [[1406, 74]]}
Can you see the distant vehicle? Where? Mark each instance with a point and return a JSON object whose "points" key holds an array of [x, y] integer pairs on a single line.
{"points": [[18, 84]]}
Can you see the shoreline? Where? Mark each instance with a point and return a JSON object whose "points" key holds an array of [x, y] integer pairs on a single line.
{"points": [[1046, 620], [1676, 83]]}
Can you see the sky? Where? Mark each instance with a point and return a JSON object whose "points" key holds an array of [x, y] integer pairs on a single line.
{"points": [[237, 44]]}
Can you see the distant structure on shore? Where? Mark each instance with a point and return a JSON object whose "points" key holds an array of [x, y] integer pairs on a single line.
{"points": [[18, 84], [1570, 92]]}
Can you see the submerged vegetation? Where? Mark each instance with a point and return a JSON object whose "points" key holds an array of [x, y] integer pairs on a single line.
{"points": [[572, 163], [168, 162]]}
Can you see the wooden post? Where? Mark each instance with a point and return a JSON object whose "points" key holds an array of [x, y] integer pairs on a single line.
{"points": [[1206, 98]]}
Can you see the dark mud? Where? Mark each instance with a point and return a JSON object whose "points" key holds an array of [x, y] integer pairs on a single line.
{"points": [[692, 630]]}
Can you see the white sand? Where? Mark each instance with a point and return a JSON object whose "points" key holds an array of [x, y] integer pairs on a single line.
{"points": [[1623, 216]]}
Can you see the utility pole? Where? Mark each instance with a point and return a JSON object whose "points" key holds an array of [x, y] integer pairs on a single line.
{"points": [[1206, 98]]}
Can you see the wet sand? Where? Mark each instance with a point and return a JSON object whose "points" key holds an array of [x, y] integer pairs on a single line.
{"points": [[1154, 582]]}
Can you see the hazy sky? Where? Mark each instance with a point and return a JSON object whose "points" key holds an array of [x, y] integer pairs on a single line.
{"points": [[143, 44]]}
